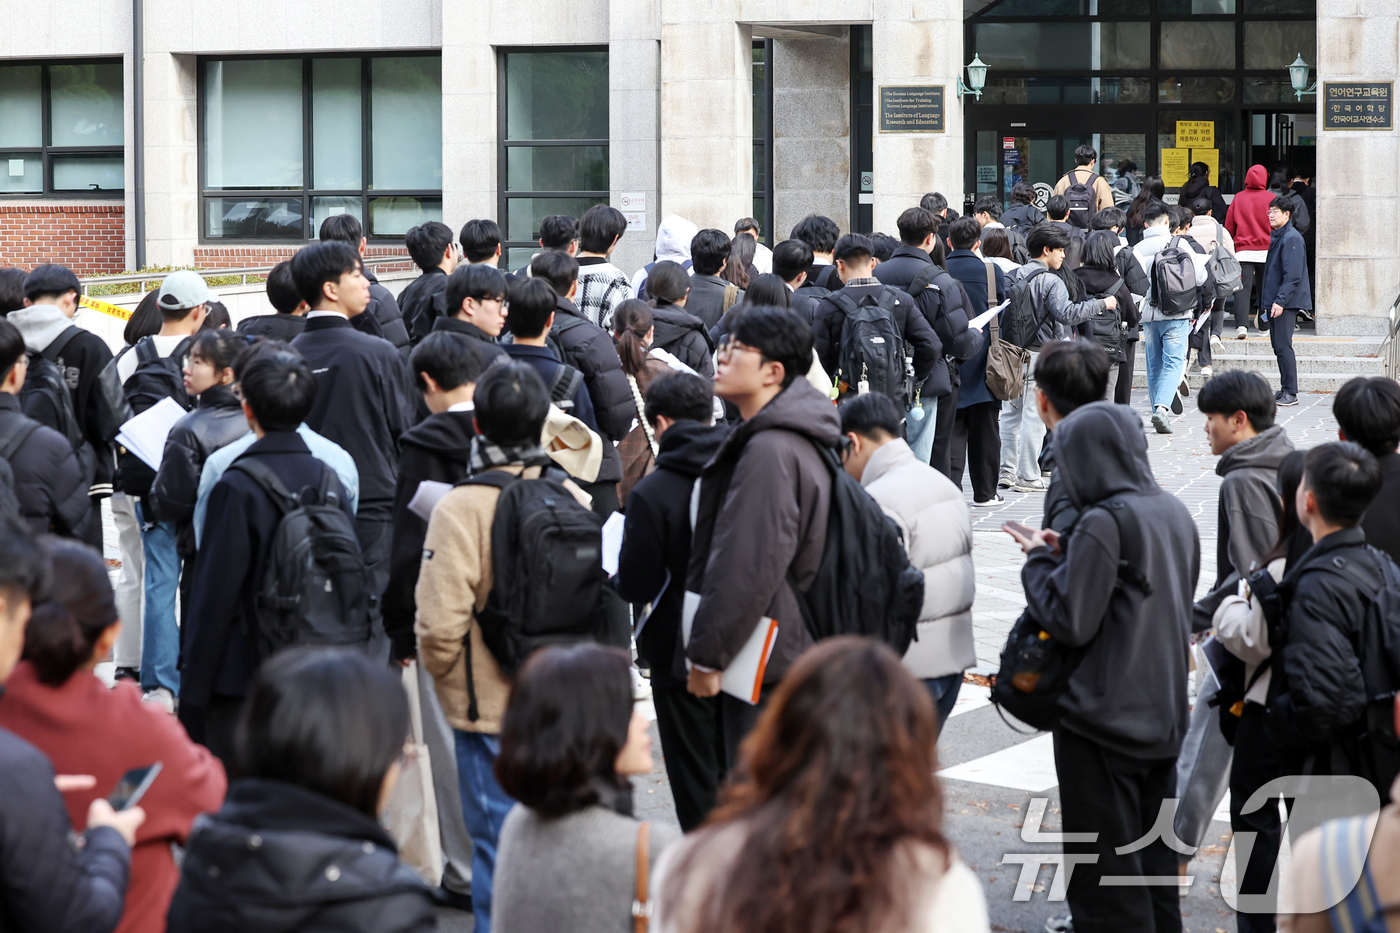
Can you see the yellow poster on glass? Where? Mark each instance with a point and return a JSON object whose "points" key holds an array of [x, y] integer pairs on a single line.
{"points": [[1176, 167], [1210, 157], [1191, 134]]}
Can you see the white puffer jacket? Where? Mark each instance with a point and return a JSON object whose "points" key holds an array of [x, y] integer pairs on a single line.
{"points": [[934, 519]]}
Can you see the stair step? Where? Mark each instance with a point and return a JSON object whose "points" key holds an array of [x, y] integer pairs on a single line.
{"points": [[1303, 346], [1307, 382], [1352, 365]]}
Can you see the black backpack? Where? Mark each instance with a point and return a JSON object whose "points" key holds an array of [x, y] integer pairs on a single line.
{"points": [[1107, 326], [872, 350], [314, 590], [865, 584], [563, 386], [12, 436], [1036, 668], [1174, 290], [157, 377], [1083, 202], [547, 558], [1020, 324], [47, 399]]}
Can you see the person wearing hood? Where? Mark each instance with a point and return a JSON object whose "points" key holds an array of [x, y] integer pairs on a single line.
{"points": [[651, 568], [673, 238], [99, 405], [1120, 589], [760, 526], [1199, 186], [678, 332], [1247, 220]]}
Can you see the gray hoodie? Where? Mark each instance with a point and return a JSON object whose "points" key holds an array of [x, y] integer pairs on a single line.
{"points": [[39, 325], [1248, 517], [1129, 692]]}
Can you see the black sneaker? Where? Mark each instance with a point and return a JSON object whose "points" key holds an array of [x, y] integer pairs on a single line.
{"points": [[1285, 401], [1184, 388], [127, 673], [1176, 403]]}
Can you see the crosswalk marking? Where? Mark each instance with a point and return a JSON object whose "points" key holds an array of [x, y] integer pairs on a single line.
{"points": [[1029, 766]]}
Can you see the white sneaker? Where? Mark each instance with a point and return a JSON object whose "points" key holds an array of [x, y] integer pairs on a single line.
{"points": [[161, 696], [1241, 333], [1205, 372], [1216, 344], [641, 687]]}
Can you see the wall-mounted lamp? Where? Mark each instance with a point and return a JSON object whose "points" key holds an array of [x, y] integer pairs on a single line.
{"points": [[977, 78], [1298, 75]]}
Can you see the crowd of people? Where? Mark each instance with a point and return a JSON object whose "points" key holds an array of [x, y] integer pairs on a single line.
{"points": [[370, 500]]}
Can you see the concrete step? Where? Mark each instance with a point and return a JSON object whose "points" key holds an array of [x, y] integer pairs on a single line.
{"points": [[1307, 382], [1303, 346], [1341, 365]]}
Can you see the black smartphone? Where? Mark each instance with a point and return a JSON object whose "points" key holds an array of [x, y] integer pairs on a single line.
{"points": [[1024, 530], [133, 786]]}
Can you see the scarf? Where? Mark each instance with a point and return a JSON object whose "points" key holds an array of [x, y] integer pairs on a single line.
{"points": [[485, 454]]}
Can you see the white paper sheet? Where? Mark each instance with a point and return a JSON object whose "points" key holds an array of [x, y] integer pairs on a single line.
{"points": [[981, 320], [743, 678], [428, 494], [612, 542], [651, 607], [145, 434]]}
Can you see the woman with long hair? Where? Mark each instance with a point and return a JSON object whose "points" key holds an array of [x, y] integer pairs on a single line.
{"points": [[571, 740], [740, 269], [996, 246], [1152, 190], [833, 819], [633, 331], [1099, 277]]}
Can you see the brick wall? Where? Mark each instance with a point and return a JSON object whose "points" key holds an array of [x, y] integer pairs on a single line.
{"points": [[252, 257], [88, 238]]}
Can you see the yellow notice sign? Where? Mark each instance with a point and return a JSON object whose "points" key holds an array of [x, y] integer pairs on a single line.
{"points": [[1210, 157], [1176, 167], [112, 310], [1192, 134]]}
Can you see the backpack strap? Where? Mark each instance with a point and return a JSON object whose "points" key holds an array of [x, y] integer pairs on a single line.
{"points": [[888, 299], [18, 432], [146, 350], [500, 479], [567, 323], [1131, 545], [923, 281], [269, 482], [843, 300], [565, 382], [991, 284], [731, 295], [52, 351], [1346, 875]]}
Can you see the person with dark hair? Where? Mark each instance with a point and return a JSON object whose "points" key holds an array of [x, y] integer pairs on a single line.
{"points": [[48, 484], [146, 318], [1165, 332], [298, 844], [1057, 210], [739, 268], [531, 305], [1367, 409], [678, 332], [50, 882], [1285, 292], [820, 233], [1318, 695], [987, 212], [844, 754], [1099, 274], [1247, 220], [1125, 707], [216, 317], [1069, 374], [633, 331], [1023, 215], [1151, 193], [364, 400], [711, 295], [220, 640], [655, 547], [571, 740], [1126, 185], [1198, 187], [431, 247], [11, 289], [882, 246], [1084, 174], [792, 262], [1209, 235], [481, 242], [760, 525], [936, 527], [474, 305], [345, 228], [559, 231], [602, 286], [763, 256], [453, 583], [55, 701], [290, 308]]}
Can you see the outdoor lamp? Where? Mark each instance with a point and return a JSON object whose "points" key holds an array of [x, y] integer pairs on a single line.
{"points": [[1298, 75], [977, 78]]}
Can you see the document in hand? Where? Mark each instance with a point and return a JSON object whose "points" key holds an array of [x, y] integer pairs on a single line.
{"points": [[428, 494], [743, 678], [981, 320], [612, 542], [145, 434]]}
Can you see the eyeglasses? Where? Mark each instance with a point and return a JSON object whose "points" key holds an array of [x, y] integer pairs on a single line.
{"points": [[728, 348]]}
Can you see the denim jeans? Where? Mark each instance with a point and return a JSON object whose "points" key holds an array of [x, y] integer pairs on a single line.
{"points": [[160, 634], [484, 805], [920, 433], [1022, 431], [944, 691], [1165, 343]]}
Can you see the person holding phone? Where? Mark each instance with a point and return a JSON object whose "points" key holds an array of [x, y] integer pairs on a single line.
{"points": [[54, 701], [46, 883]]}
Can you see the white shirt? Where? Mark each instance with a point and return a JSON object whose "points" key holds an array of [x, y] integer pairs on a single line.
{"points": [[763, 259], [311, 314], [462, 406]]}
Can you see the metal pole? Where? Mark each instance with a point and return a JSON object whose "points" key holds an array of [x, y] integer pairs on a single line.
{"points": [[138, 120]]}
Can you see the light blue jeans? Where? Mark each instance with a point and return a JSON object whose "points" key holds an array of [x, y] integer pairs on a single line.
{"points": [[1022, 431], [921, 432], [1165, 343], [484, 806], [160, 633]]}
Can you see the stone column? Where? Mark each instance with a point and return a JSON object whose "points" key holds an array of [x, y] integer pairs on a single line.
{"points": [[172, 159], [811, 131], [918, 43], [1358, 174], [468, 117], [634, 120]]}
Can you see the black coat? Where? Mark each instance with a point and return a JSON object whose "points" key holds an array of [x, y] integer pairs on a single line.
{"points": [[1022, 217], [218, 641], [1200, 187], [1381, 523], [416, 302], [278, 858], [278, 326], [364, 403], [824, 276], [945, 309], [386, 311], [706, 300], [683, 335], [53, 498], [217, 421], [1097, 282], [913, 327], [47, 883], [437, 449], [971, 274], [590, 349], [806, 300], [656, 541]]}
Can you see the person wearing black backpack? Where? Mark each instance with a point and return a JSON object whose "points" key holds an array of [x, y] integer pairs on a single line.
{"points": [[49, 492], [67, 360], [1085, 190], [1114, 330], [1117, 594], [532, 304], [1023, 215], [820, 233]]}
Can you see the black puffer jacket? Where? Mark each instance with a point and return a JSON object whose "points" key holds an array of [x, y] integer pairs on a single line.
{"points": [[945, 307], [53, 498], [278, 858], [216, 421], [912, 325], [386, 311], [1022, 217], [590, 349], [683, 335], [416, 303]]}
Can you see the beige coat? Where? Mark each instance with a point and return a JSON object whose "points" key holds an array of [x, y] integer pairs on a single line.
{"points": [[455, 579], [1102, 191], [572, 445]]}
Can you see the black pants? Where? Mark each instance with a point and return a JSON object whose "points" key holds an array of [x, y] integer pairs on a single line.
{"points": [[376, 542], [690, 728], [1244, 298], [617, 630], [1256, 762], [737, 720], [942, 457], [1119, 798], [1217, 321], [213, 726], [977, 443], [1123, 388], [1281, 339]]}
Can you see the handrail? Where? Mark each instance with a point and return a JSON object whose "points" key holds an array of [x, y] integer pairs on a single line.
{"points": [[1390, 346], [91, 280]]}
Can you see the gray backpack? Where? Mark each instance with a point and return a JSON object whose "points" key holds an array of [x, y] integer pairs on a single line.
{"points": [[1224, 268], [1174, 289]]}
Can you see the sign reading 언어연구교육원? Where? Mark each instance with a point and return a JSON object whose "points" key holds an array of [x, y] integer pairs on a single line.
{"points": [[1358, 105], [916, 109]]}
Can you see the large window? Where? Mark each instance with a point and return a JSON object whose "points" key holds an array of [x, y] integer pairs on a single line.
{"points": [[287, 142], [763, 138], [553, 139], [61, 129]]}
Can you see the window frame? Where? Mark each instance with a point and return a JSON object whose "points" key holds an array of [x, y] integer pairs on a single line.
{"points": [[503, 145], [46, 151], [307, 192]]}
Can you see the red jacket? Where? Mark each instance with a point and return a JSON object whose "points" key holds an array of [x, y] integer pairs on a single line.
{"points": [[1247, 218], [85, 729]]}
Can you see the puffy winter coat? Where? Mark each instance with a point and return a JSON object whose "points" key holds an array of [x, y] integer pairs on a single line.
{"points": [[683, 335], [216, 422], [590, 349], [386, 311], [48, 482]]}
